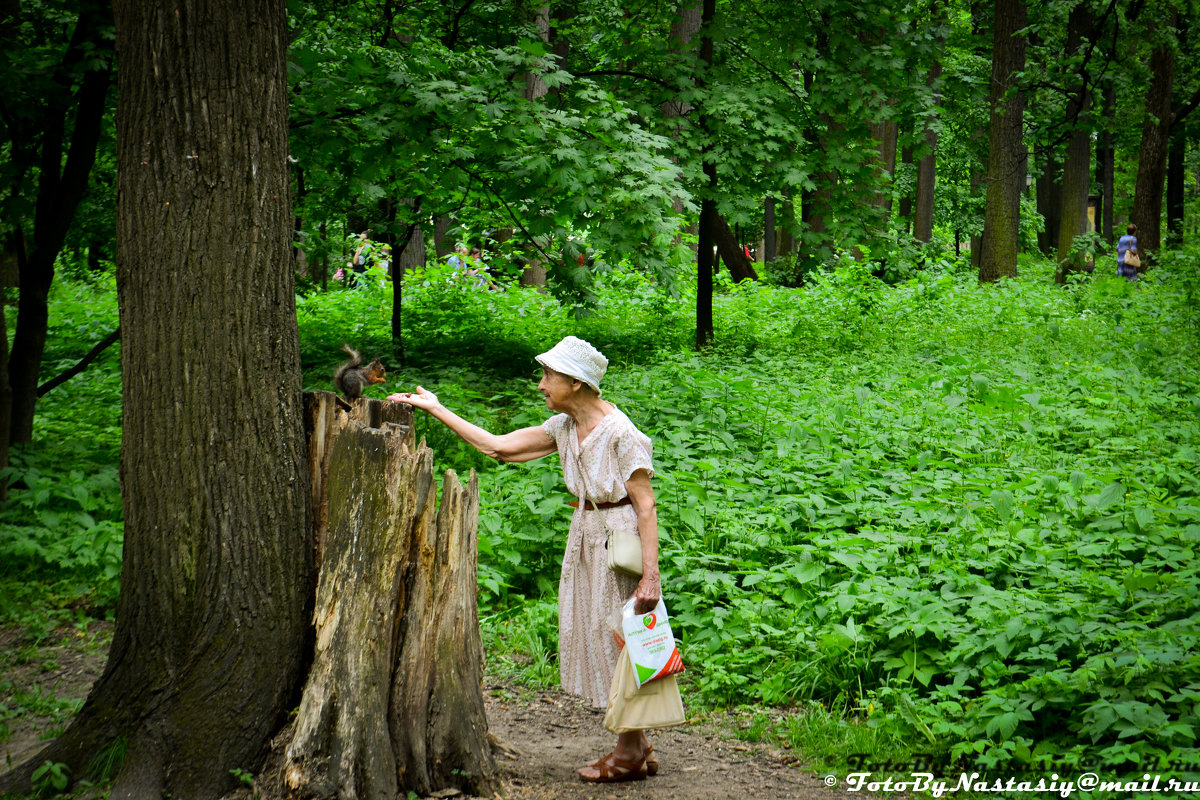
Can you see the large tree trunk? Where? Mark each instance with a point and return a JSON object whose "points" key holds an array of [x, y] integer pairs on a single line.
{"points": [[1152, 155], [1006, 150], [216, 583], [63, 169], [1077, 168]]}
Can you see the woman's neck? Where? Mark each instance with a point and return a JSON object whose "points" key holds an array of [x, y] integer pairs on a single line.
{"points": [[588, 412]]}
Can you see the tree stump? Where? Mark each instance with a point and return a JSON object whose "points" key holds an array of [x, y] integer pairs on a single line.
{"points": [[393, 701]]}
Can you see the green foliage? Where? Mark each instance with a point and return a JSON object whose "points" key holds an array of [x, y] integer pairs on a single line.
{"points": [[958, 512], [50, 778], [61, 528], [924, 515]]}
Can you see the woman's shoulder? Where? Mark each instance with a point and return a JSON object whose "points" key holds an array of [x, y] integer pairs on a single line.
{"points": [[557, 424], [623, 425]]}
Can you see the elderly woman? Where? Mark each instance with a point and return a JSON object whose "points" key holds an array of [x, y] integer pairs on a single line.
{"points": [[605, 458]]}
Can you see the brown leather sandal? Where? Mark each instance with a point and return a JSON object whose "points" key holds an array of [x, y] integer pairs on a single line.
{"points": [[651, 761], [612, 770]]}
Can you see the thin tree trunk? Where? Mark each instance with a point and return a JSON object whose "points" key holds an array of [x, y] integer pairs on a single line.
{"points": [[407, 255], [1006, 151], [770, 239], [885, 133], [740, 267], [1077, 168], [708, 203], [684, 29], [442, 246], [927, 168], [787, 235], [5, 394], [1176, 179], [1152, 155], [61, 186], [1049, 203], [1106, 166], [905, 210]]}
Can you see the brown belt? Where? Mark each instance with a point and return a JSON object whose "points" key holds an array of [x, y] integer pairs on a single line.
{"points": [[624, 501]]}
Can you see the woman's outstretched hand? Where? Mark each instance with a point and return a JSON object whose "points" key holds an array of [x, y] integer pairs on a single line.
{"points": [[418, 399]]}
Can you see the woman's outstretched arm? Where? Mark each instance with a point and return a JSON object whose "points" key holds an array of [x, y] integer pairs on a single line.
{"points": [[525, 444]]}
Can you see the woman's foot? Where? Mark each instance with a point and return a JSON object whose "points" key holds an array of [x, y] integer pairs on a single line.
{"points": [[611, 769], [651, 761]]}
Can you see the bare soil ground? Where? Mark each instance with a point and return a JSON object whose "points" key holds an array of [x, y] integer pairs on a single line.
{"points": [[547, 735]]}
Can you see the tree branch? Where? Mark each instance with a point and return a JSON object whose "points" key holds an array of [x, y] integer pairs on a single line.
{"points": [[1186, 108], [83, 363], [628, 74]]}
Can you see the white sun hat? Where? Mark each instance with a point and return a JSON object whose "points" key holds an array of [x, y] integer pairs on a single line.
{"points": [[577, 359]]}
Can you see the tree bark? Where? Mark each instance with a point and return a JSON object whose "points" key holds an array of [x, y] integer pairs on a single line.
{"points": [[1077, 168], [1006, 151], [885, 133], [708, 203], [439, 727], [5, 393], [1152, 155]]}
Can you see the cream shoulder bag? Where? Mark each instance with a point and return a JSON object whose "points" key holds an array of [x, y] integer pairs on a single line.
{"points": [[624, 547]]}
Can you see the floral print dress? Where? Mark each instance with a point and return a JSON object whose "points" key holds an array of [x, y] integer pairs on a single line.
{"points": [[588, 591]]}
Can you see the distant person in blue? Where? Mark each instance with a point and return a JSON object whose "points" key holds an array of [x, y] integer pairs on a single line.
{"points": [[1125, 245], [458, 259]]}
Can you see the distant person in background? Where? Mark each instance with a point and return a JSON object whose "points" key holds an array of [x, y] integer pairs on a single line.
{"points": [[458, 259], [358, 262], [1125, 245]]}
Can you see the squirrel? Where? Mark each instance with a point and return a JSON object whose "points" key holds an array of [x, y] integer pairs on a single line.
{"points": [[352, 377]]}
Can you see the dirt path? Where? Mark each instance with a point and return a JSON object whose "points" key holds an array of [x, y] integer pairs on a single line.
{"points": [[554, 734], [548, 734]]}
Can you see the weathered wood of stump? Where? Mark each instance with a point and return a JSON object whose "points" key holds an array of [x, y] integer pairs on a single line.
{"points": [[437, 714], [394, 699], [324, 419]]}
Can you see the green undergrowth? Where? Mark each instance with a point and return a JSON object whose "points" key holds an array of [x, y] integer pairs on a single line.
{"points": [[935, 521]]}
